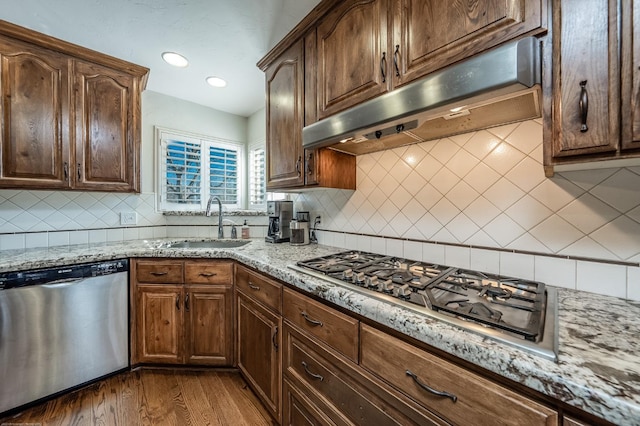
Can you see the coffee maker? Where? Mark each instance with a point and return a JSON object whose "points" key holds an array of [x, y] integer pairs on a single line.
{"points": [[280, 214]]}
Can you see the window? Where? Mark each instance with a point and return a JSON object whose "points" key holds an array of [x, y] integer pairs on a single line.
{"points": [[192, 168], [257, 178]]}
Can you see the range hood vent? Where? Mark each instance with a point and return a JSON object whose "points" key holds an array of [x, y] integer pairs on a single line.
{"points": [[494, 88]]}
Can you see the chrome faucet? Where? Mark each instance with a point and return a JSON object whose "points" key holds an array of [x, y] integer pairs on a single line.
{"points": [[208, 213]]}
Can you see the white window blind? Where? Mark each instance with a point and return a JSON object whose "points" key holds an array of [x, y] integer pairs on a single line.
{"points": [[257, 178], [193, 168]]}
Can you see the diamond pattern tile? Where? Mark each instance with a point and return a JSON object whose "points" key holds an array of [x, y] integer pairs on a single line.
{"points": [[588, 213], [620, 190]]}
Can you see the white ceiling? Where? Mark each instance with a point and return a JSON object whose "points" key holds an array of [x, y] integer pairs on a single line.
{"points": [[225, 38]]}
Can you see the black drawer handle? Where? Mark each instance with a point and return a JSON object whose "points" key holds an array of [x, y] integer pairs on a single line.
{"points": [[306, 370], [395, 60], [208, 274], [311, 320], [158, 274], [431, 390], [178, 302], [252, 286], [583, 104], [383, 67], [274, 339], [186, 302]]}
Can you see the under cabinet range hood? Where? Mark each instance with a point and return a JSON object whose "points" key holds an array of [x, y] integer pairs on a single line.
{"points": [[497, 87]]}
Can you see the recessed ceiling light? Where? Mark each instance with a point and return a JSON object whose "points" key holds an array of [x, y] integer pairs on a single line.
{"points": [[216, 82], [175, 59]]}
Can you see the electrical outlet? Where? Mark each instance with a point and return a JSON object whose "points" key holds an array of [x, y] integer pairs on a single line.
{"points": [[128, 218]]}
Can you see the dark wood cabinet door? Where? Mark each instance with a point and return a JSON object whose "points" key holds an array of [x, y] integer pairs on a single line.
{"points": [[104, 113], [430, 34], [354, 60], [297, 410], [33, 117], [159, 324], [630, 56], [585, 72], [209, 317], [259, 342], [285, 115]]}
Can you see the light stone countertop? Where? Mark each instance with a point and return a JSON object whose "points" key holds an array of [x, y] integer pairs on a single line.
{"points": [[598, 368]]}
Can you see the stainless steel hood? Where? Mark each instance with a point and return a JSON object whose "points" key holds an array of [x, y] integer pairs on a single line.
{"points": [[496, 87]]}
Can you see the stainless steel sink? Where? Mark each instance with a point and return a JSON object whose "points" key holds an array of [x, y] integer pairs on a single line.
{"points": [[208, 244]]}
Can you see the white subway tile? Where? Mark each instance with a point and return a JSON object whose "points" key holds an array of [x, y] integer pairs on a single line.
{"points": [[351, 242], [97, 236], [485, 260], [364, 243], [517, 265], [145, 233], [602, 278], [555, 271], [115, 235], [12, 242], [60, 238], [160, 232], [378, 245], [130, 234], [433, 253], [79, 237], [339, 240], [394, 248], [633, 283], [457, 256], [412, 250], [37, 239]]}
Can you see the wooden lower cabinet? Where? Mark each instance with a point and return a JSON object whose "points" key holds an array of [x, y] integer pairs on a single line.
{"points": [[457, 394], [259, 358], [181, 323], [298, 410]]}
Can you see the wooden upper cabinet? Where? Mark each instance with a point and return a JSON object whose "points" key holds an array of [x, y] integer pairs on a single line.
{"points": [[430, 34], [34, 117], [630, 17], [586, 94], [368, 47], [285, 118], [353, 55], [105, 144], [70, 117]]}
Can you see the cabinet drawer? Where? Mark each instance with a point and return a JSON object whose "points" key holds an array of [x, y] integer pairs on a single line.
{"points": [[153, 271], [342, 390], [330, 326], [208, 272], [261, 289], [474, 400]]}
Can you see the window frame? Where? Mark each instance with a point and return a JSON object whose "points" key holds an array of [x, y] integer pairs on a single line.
{"points": [[205, 141], [250, 149]]}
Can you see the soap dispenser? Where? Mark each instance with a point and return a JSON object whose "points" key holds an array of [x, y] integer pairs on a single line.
{"points": [[245, 231]]}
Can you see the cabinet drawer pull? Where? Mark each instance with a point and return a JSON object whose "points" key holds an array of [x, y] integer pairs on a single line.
{"points": [[395, 60], [186, 302], [208, 274], [310, 164], [252, 286], [65, 169], [158, 273], [383, 66], [79, 171], [273, 339], [178, 302], [431, 390], [584, 106], [306, 370], [298, 164], [311, 320]]}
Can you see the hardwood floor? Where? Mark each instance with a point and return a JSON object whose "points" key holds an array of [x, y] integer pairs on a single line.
{"points": [[153, 397]]}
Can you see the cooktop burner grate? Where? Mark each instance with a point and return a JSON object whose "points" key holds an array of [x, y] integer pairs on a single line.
{"points": [[506, 304]]}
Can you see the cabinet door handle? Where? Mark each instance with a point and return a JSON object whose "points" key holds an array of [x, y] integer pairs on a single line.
{"points": [[178, 302], [208, 274], [158, 273], [65, 170], [314, 375], [395, 60], [383, 66], [274, 339], [310, 164], [584, 106], [311, 320], [79, 171], [186, 302], [252, 286], [430, 389], [298, 165]]}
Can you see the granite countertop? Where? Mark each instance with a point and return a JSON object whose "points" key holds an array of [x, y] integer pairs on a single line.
{"points": [[598, 368]]}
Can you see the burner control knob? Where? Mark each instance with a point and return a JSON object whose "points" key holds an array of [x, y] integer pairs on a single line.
{"points": [[404, 290], [371, 281], [347, 274], [359, 278], [386, 286]]}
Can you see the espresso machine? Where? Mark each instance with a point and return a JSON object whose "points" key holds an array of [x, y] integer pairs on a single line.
{"points": [[280, 214]]}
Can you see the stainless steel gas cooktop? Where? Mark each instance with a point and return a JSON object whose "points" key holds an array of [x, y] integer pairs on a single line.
{"points": [[518, 312]]}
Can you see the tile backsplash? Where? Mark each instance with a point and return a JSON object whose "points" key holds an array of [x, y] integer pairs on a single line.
{"points": [[481, 200]]}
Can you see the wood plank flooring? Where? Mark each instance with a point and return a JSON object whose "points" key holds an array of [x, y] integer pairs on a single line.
{"points": [[153, 397]]}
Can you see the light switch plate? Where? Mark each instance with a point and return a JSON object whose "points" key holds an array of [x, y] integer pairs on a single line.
{"points": [[128, 218]]}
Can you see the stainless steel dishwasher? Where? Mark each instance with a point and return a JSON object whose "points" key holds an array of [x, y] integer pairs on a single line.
{"points": [[61, 328]]}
